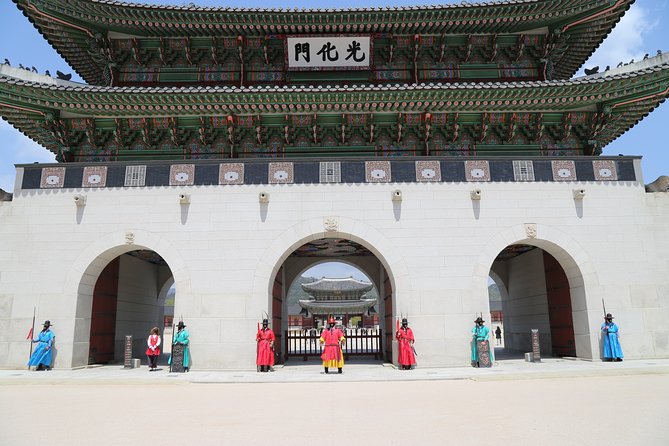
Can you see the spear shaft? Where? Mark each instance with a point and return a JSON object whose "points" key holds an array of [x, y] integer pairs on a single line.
{"points": [[32, 334]]}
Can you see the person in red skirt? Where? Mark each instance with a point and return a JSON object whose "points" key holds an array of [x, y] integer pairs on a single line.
{"points": [[405, 340], [332, 339], [265, 351], [153, 349]]}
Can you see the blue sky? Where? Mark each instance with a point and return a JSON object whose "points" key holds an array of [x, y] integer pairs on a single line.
{"points": [[642, 30]]}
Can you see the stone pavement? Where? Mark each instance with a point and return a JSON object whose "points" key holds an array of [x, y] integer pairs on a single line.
{"points": [[354, 371], [554, 403]]}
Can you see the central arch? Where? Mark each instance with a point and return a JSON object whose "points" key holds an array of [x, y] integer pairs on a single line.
{"points": [[269, 281]]}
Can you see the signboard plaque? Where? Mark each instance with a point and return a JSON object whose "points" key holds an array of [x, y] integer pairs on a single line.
{"points": [[346, 52]]}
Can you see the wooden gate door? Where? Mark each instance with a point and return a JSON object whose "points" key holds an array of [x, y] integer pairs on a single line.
{"points": [[277, 312], [559, 308], [388, 306], [103, 316]]}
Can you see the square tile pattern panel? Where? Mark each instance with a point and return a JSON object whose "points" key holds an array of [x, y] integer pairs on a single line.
{"points": [[563, 170], [182, 174], [477, 170], [523, 171], [135, 176], [605, 170], [231, 173], [428, 171], [377, 171], [94, 176], [330, 172], [280, 173], [52, 177]]}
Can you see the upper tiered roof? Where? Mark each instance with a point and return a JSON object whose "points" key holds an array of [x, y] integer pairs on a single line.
{"points": [[582, 115], [83, 31]]}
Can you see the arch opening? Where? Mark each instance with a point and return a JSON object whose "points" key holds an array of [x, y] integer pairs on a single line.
{"points": [[361, 300], [128, 297], [540, 287]]}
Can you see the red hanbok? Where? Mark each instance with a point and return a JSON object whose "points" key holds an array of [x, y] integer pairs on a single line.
{"points": [[265, 339], [332, 353], [405, 338]]}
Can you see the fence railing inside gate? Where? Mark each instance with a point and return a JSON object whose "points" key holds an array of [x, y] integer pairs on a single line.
{"points": [[359, 342]]}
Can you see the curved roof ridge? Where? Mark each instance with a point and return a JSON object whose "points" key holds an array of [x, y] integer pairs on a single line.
{"points": [[192, 6]]}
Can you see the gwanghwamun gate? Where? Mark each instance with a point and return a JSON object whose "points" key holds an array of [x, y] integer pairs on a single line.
{"points": [[223, 152]]}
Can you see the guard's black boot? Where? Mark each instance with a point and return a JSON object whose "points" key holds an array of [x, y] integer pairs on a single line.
{"points": [[326, 370], [339, 370]]}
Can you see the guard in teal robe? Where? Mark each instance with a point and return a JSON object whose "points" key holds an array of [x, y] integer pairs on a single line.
{"points": [[612, 349], [182, 338], [43, 354], [479, 333]]}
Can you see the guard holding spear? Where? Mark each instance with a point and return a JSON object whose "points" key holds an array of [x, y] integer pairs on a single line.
{"points": [[612, 349], [43, 354]]}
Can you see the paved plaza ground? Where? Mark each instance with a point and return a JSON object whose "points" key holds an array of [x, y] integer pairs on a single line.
{"points": [[557, 402]]}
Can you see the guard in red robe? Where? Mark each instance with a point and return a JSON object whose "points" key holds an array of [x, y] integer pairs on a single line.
{"points": [[265, 339], [405, 339], [332, 339]]}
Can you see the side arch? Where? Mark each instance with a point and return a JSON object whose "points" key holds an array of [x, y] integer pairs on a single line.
{"points": [[85, 270], [577, 265]]}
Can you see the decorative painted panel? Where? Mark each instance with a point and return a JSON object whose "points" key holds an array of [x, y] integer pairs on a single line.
{"points": [[428, 171], [477, 171], [605, 170], [563, 170], [52, 177], [377, 171], [182, 175], [280, 173], [231, 173], [94, 176]]}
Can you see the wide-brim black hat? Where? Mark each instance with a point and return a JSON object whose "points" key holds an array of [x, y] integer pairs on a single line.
{"points": [[47, 323], [608, 316], [479, 319], [181, 324]]}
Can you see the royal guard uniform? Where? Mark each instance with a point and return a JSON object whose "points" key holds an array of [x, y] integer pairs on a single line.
{"points": [[265, 354], [406, 357], [481, 354], [332, 339], [612, 349]]}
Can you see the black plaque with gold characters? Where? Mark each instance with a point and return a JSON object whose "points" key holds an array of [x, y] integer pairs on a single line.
{"points": [[177, 364], [483, 351]]}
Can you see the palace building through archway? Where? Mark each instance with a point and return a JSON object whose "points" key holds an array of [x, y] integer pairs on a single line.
{"points": [[349, 300]]}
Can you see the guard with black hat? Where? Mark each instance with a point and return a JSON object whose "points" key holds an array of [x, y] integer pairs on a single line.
{"points": [[180, 358], [481, 354], [43, 354], [406, 357], [612, 349], [265, 348]]}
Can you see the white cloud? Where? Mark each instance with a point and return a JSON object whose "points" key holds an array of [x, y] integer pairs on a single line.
{"points": [[16, 148], [626, 41]]}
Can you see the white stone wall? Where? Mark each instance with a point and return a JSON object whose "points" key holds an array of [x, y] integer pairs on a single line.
{"points": [[437, 245]]}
